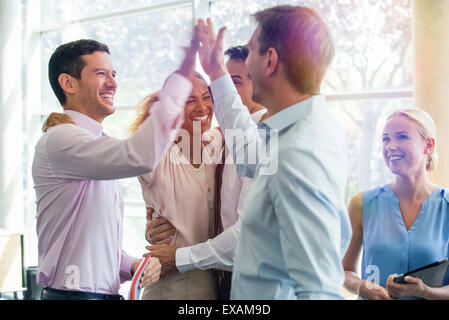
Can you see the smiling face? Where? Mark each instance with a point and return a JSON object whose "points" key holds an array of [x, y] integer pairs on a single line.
{"points": [[242, 81], [97, 86], [405, 151], [198, 107]]}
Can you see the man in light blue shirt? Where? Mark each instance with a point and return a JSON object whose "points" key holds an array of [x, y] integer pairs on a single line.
{"points": [[295, 228]]}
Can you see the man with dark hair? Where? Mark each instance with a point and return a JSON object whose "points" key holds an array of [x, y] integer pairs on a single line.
{"points": [[239, 74], [68, 59], [237, 53], [295, 228], [216, 253], [75, 167]]}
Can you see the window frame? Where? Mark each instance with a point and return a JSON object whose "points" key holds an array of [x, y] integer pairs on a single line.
{"points": [[200, 9], [32, 64]]}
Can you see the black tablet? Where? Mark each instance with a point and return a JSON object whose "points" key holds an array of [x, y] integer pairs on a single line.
{"points": [[432, 274]]}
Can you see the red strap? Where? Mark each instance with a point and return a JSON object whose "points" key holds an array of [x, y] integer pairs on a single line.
{"points": [[137, 275]]}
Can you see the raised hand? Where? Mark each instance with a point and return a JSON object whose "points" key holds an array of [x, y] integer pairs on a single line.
{"points": [[211, 49], [187, 67]]}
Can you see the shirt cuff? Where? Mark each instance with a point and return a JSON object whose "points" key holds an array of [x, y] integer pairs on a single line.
{"points": [[174, 94], [178, 87], [222, 86], [125, 267], [182, 259]]}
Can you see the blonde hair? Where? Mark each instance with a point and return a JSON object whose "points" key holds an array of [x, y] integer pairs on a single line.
{"points": [[143, 107], [427, 129]]}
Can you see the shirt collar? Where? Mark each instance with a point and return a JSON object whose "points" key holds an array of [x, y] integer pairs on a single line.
{"points": [[294, 113], [86, 122], [256, 116]]}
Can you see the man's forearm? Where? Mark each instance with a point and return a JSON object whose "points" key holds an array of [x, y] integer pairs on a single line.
{"points": [[216, 253], [240, 132]]}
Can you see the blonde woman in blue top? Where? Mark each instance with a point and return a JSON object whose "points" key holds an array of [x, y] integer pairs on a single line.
{"points": [[403, 225]]}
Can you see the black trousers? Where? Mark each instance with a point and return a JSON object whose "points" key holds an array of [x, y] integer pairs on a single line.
{"points": [[224, 284]]}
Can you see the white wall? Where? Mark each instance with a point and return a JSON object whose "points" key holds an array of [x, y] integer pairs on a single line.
{"points": [[11, 189]]}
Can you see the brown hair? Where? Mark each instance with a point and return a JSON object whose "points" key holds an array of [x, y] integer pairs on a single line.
{"points": [[302, 41], [426, 128], [68, 58]]}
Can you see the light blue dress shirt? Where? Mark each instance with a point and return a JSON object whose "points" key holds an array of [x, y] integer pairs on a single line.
{"points": [[388, 247], [295, 227]]}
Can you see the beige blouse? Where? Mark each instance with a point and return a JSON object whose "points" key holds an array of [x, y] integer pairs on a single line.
{"points": [[183, 194]]}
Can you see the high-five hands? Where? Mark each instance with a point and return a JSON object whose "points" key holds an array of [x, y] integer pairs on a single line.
{"points": [[210, 50], [187, 67]]}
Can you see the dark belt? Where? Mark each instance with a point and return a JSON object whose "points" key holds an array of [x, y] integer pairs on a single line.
{"points": [[54, 294]]}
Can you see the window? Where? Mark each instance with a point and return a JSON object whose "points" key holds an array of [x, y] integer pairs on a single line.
{"points": [[145, 49], [145, 38], [56, 12], [370, 77]]}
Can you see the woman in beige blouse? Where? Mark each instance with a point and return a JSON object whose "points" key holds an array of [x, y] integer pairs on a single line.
{"points": [[181, 190]]}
